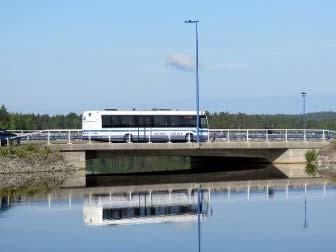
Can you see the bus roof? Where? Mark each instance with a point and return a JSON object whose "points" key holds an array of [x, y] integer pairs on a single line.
{"points": [[143, 112]]}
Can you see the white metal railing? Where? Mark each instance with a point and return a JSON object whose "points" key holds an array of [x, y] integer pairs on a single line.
{"points": [[45, 136], [70, 136], [250, 135]]}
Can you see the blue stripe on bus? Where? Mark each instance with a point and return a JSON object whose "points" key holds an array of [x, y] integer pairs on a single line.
{"points": [[144, 129]]}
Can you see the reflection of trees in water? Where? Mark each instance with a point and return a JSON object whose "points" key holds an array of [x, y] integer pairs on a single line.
{"points": [[27, 186], [4, 205]]}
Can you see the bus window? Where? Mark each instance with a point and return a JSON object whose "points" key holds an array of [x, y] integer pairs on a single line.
{"points": [[160, 121], [127, 121], [105, 121], [114, 121], [189, 121], [182, 121], [175, 121], [145, 121], [109, 121]]}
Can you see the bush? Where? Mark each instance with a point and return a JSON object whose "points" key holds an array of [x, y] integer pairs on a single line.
{"points": [[311, 156]]}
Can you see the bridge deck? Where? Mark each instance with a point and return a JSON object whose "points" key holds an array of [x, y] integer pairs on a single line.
{"points": [[189, 146]]}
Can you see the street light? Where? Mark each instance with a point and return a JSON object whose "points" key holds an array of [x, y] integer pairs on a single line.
{"points": [[304, 110], [197, 81]]}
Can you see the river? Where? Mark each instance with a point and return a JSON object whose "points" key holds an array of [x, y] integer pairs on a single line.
{"points": [[216, 211]]}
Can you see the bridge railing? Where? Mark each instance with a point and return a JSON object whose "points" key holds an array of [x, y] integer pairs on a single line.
{"points": [[46, 136], [214, 135], [271, 135]]}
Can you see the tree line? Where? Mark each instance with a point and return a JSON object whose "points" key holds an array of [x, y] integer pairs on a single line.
{"points": [[317, 120], [38, 121], [222, 120]]}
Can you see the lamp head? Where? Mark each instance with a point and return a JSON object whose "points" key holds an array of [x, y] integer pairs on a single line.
{"points": [[189, 21]]}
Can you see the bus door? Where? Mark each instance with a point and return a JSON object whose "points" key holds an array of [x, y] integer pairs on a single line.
{"points": [[145, 123]]}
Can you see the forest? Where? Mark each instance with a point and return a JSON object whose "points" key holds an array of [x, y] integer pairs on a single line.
{"points": [[221, 120]]}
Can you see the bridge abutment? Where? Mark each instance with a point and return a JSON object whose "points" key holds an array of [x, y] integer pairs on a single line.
{"points": [[75, 158]]}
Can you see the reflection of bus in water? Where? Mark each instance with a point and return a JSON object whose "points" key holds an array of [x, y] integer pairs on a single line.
{"points": [[147, 207]]}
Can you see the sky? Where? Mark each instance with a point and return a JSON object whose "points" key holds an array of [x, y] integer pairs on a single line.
{"points": [[254, 56]]}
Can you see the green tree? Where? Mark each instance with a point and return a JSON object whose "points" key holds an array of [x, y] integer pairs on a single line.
{"points": [[4, 117]]}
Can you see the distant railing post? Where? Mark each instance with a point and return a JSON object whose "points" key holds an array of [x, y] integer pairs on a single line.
{"points": [[69, 200], [208, 136], [323, 135], [169, 137], [228, 136], [109, 136], [8, 141], [189, 137], [304, 135], [69, 137], [267, 192], [129, 136], [149, 136], [286, 135], [247, 135], [324, 189], [48, 138], [49, 201], [89, 136], [266, 135]]}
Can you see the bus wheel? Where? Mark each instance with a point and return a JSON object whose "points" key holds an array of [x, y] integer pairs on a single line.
{"points": [[128, 138], [189, 136]]}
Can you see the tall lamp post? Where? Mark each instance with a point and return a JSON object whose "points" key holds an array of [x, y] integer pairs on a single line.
{"points": [[304, 111], [197, 81]]}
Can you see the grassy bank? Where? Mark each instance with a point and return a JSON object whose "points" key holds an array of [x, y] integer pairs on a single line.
{"points": [[31, 158], [30, 152]]}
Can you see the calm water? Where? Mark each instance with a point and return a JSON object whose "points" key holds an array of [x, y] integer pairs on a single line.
{"points": [[261, 215]]}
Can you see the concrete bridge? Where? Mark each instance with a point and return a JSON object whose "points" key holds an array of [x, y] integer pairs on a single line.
{"points": [[277, 146], [272, 152]]}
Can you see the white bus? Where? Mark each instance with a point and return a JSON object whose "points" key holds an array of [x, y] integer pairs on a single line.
{"points": [[143, 126]]}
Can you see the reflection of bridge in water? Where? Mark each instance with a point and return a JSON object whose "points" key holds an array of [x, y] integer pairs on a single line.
{"points": [[237, 190]]}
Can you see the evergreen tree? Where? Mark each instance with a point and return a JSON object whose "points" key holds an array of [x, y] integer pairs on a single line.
{"points": [[4, 117]]}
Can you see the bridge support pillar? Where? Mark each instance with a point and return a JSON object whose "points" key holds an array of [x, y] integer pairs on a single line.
{"points": [[75, 158]]}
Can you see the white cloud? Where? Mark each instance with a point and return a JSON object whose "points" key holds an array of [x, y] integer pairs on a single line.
{"points": [[180, 61]]}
